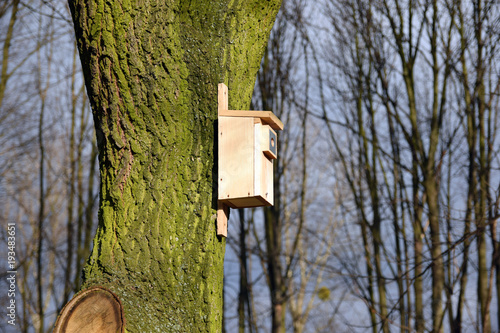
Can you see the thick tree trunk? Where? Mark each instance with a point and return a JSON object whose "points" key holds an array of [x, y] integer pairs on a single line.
{"points": [[151, 72]]}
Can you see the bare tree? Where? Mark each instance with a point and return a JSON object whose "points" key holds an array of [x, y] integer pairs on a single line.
{"points": [[408, 65], [293, 241], [35, 168]]}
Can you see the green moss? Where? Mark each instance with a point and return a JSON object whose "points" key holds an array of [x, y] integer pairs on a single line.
{"points": [[152, 79]]}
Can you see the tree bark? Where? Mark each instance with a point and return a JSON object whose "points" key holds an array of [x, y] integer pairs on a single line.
{"points": [[151, 73]]}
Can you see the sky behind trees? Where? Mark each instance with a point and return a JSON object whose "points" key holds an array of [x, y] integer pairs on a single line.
{"points": [[388, 174]]}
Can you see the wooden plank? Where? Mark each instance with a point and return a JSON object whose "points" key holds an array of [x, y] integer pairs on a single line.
{"points": [[266, 180], [236, 140], [222, 217], [257, 158], [255, 201], [267, 117], [263, 166], [222, 97]]}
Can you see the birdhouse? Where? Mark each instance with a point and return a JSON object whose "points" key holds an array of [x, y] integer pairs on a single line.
{"points": [[247, 147]]}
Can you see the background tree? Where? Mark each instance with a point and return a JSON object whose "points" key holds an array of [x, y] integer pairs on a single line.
{"points": [[407, 73], [290, 243], [35, 109]]}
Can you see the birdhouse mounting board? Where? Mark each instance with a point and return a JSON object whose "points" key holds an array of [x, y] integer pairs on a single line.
{"points": [[247, 146]]}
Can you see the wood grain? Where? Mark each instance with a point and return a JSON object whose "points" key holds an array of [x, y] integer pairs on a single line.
{"points": [[94, 310]]}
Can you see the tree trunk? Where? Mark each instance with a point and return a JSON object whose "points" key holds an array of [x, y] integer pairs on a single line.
{"points": [[151, 73], [4, 74], [244, 293]]}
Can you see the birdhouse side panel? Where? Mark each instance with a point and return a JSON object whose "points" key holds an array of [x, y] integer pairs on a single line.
{"points": [[266, 180], [236, 157], [263, 186]]}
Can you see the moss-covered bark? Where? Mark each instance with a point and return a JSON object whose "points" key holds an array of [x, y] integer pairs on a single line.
{"points": [[151, 70]]}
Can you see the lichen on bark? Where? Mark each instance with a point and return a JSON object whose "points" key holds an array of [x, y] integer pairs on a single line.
{"points": [[151, 70]]}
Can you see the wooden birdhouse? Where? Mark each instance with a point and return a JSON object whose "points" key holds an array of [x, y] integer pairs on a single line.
{"points": [[247, 148]]}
